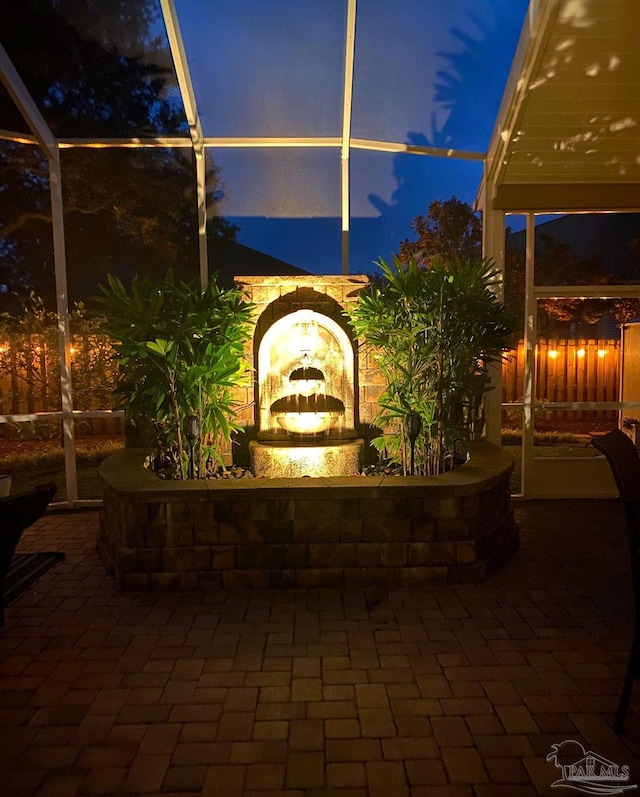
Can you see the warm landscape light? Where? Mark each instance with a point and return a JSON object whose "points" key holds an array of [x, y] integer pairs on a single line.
{"points": [[580, 353], [602, 352], [553, 353]]}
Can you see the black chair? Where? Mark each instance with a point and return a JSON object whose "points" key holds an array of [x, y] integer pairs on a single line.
{"points": [[624, 462], [17, 513]]}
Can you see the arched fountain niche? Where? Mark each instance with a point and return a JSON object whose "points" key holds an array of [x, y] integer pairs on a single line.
{"points": [[306, 399]]}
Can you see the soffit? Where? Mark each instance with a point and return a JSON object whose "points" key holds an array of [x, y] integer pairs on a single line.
{"points": [[568, 133]]}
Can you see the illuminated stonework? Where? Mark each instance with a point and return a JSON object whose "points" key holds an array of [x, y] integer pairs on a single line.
{"points": [[338, 459], [302, 343], [292, 531], [350, 532], [306, 399]]}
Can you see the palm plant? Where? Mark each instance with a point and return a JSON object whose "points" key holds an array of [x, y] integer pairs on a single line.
{"points": [[180, 352], [433, 332]]}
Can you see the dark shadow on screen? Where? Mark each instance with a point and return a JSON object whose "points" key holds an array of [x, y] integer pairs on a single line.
{"points": [[466, 96]]}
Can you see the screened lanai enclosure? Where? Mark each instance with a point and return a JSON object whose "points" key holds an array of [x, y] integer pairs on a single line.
{"points": [[279, 138]]}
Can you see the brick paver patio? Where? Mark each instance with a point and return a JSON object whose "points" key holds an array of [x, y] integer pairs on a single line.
{"points": [[445, 692]]}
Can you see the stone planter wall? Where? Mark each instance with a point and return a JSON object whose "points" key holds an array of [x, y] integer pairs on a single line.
{"points": [[318, 532]]}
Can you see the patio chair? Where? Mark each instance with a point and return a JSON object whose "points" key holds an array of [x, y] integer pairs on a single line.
{"points": [[624, 461], [18, 512]]}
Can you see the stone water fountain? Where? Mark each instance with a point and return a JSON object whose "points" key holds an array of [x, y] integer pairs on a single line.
{"points": [[306, 399], [309, 404]]}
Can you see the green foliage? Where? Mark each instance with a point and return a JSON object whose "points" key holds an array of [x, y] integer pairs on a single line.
{"points": [[450, 229], [180, 354], [433, 333]]}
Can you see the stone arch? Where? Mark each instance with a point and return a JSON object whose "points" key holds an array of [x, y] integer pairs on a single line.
{"points": [[304, 335]]}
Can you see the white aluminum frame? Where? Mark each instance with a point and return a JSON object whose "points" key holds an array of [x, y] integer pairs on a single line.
{"points": [[198, 143], [530, 50], [46, 140]]}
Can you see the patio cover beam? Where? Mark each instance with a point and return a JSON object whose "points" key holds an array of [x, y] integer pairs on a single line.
{"points": [[191, 111], [26, 105], [493, 246], [529, 53], [350, 44], [566, 197], [530, 341], [47, 141], [172, 142], [260, 141], [17, 138], [415, 149], [239, 142], [64, 332]]}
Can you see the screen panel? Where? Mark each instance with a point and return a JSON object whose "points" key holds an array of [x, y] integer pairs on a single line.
{"points": [[286, 203], [584, 249], [128, 212], [433, 73], [95, 69], [389, 190], [266, 69]]}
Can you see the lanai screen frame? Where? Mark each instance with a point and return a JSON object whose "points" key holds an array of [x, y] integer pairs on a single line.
{"points": [[42, 136], [529, 200], [538, 16]]}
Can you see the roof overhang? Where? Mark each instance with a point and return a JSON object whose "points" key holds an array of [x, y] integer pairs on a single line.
{"points": [[567, 137]]}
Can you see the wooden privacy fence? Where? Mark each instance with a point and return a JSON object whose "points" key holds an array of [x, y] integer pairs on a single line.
{"points": [[30, 378], [568, 370]]}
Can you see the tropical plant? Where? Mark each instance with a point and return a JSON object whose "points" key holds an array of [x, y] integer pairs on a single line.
{"points": [[433, 332], [180, 352]]}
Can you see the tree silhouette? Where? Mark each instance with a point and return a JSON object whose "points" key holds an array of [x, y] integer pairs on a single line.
{"points": [[471, 83], [451, 229], [98, 69]]}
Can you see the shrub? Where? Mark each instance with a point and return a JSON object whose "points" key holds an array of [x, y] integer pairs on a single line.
{"points": [[180, 352], [433, 332]]}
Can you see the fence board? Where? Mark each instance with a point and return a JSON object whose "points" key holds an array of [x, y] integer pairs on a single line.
{"points": [[30, 378], [34, 387], [567, 376]]}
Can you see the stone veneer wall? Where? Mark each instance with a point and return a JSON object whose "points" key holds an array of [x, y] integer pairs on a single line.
{"points": [[333, 532]]}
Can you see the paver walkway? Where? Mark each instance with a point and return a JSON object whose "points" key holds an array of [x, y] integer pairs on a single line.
{"points": [[441, 692]]}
